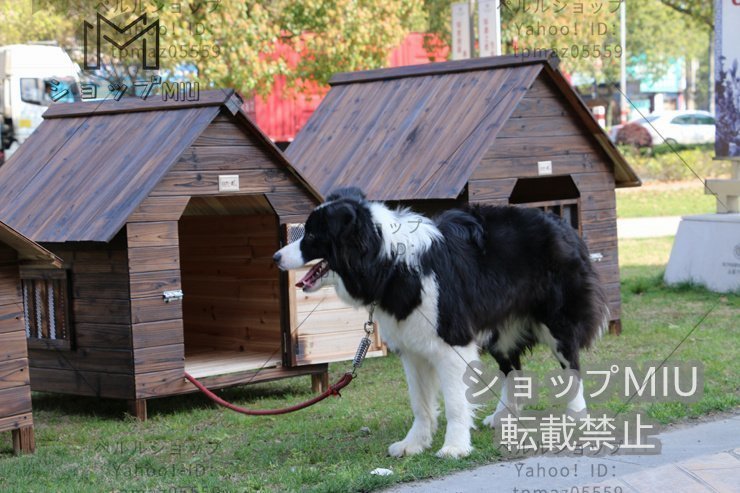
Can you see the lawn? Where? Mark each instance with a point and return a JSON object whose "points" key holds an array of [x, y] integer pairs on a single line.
{"points": [[664, 199], [189, 445]]}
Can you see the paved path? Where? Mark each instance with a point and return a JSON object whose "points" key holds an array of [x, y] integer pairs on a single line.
{"points": [[647, 227], [699, 458]]}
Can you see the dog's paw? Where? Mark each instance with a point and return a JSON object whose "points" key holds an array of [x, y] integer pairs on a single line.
{"points": [[577, 415], [405, 448], [454, 452]]}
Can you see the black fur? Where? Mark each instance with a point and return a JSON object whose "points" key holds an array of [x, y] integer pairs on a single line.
{"points": [[493, 265]]}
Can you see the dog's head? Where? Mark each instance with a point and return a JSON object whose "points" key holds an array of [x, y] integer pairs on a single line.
{"points": [[339, 233]]}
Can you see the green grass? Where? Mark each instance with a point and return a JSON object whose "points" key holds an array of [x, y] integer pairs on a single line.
{"points": [[680, 163], [652, 200], [85, 445]]}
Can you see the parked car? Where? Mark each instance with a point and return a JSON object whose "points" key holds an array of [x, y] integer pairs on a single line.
{"points": [[685, 127]]}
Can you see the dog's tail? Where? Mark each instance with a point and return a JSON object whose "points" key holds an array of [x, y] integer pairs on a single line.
{"points": [[598, 314]]}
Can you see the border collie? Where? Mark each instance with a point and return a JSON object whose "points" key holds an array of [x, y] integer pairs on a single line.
{"points": [[495, 278]]}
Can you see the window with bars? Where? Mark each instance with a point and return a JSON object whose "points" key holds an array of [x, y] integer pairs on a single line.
{"points": [[45, 308], [556, 195]]}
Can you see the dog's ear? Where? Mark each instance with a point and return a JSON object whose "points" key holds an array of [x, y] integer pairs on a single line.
{"points": [[351, 193], [341, 216]]}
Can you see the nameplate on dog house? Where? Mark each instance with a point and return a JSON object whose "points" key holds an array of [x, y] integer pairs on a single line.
{"points": [[544, 167], [228, 183]]}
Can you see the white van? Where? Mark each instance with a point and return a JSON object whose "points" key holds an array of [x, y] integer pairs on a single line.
{"points": [[31, 78]]}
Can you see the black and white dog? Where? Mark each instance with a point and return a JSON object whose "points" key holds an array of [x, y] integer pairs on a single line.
{"points": [[497, 278]]}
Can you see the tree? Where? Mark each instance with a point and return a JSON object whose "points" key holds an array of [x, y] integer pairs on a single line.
{"points": [[232, 43], [22, 22]]}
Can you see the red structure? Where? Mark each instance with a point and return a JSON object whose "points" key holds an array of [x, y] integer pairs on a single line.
{"points": [[284, 111]]}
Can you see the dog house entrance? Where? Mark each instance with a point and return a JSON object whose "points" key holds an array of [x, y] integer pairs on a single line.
{"points": [[231, 303]]}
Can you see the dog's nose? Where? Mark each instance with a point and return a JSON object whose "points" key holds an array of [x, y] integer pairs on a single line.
{"points": [[276, 258]]}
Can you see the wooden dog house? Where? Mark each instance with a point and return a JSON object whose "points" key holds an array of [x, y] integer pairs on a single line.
{"points": [[166, 216], [15, 392], [499, 130]]}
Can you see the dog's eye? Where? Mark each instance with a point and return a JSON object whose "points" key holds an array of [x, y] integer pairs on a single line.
{"points": [[310, 236]]}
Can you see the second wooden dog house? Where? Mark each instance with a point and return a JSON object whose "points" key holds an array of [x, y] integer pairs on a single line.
{"points": [[498, 130], [166, 216], [16, 253]]}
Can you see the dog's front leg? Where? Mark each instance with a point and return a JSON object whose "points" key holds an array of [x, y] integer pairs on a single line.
{"points": [[459, 412], [423, 393]]}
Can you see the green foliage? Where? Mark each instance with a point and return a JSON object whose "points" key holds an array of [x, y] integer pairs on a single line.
{"points": [[21, 23]]}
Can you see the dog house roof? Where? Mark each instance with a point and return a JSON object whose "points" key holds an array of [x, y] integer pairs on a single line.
{"points": [[89, 165], [419, 132], [27, 249]]}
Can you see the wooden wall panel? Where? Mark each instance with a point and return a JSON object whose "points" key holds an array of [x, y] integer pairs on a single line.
{"points": [[100, 362], [15, 391], [154, 267], [230, 282]]}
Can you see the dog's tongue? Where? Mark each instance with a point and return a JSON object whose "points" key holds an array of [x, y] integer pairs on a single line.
{"points": [[307, 278]]}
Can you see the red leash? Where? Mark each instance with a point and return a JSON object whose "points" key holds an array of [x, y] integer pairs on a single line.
{"points": [[332, 390]]}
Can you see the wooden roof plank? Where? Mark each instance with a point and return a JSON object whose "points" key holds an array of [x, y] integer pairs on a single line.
{"points": [[485, 63], [27, 249]]}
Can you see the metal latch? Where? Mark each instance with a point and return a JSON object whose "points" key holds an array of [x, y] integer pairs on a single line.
{"points": [[596, 257], [174, 295]]}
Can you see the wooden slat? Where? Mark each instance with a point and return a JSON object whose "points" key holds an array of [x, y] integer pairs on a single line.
{"points": [[526, 147], [487, 190], [15, 400], [151, 234], [548, 107], [14, 373], [12, 345], [148, 259], [150, 284], [526, 167], [15, 422], [485, 63], [223, 134], [154, 309], [11, 317], [83, 359], [101, 286], [159, 209], [101, 312], [102, 335], [223, 158], [159, 358], [214, 363], [157, 333], [536, 126], [88, 383], [206, 182]]}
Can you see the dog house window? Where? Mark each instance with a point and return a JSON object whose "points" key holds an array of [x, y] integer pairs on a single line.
{"points": [[557, 195], [45, 308]]}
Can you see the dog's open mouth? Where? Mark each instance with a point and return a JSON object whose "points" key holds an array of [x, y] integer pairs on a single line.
{"points": [[313, 276]]}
